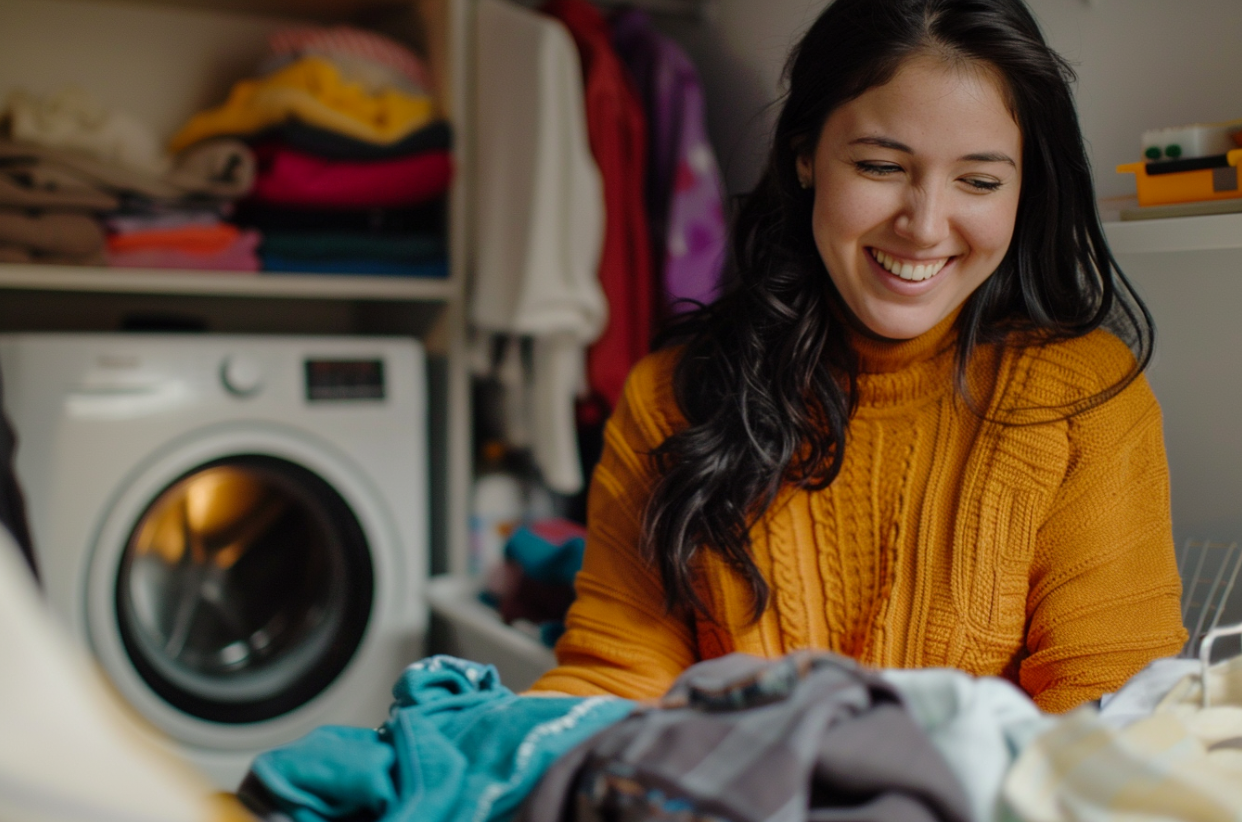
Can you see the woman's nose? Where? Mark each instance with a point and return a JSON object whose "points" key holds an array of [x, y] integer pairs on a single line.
{"points": [[924, 219]]}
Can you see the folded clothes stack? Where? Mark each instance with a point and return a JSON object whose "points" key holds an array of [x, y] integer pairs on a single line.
{"points": [[83, 185], [353, 160]]}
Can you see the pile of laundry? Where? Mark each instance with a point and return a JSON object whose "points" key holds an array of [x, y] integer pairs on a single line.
{"points": [[354, 160], [80, 184], [809, 736]]}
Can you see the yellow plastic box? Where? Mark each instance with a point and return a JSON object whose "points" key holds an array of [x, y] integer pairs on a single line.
{"points": [[1221, 183]]}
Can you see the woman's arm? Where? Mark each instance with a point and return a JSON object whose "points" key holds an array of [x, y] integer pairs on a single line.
{"points": [[619, 638], [1105, 593]]}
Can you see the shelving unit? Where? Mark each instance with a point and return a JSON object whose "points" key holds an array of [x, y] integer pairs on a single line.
{"points": [[161, 60], [211, 283], [1201, 233]]}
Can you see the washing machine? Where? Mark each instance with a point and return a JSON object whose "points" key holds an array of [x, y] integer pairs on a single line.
{"points": [[236, 526]]}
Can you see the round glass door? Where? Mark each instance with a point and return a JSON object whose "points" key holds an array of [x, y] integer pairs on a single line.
{"points": [[244, 589]]}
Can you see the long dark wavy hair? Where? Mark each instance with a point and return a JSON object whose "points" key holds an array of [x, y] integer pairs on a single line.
{"points": [[767, 379]]}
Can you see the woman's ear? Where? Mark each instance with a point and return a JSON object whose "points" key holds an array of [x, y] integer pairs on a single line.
{"points": [[806, 171]]}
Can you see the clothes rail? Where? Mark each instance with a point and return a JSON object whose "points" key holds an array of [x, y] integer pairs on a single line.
{"points": [[674, 8]]}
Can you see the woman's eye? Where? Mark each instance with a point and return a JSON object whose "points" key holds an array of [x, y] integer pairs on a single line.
{"points": [[982, 184], [877, 169]]}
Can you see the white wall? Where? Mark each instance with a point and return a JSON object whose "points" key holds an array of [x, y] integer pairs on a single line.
{"points": [[157, 64], [1141, 64]]}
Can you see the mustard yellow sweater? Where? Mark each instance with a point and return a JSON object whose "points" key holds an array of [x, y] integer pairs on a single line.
{"points": [[1042, 552]]}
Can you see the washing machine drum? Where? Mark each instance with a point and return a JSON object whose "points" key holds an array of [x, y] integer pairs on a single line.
{"points": [[244, 589]]}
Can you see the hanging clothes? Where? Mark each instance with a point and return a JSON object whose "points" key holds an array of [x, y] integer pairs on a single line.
{"points": [[618, 133], [685, 190], [539, 218]]}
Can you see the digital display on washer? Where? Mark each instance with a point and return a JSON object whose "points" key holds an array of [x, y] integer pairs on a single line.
{"points": [[344, 380]]}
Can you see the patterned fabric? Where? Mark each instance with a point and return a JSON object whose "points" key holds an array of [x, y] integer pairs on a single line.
{"points": [[1041, 552], [347, 41], [741, 739], [685, 191]]}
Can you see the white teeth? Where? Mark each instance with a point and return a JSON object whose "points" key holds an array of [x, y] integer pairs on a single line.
{"points": [[908, 271]]}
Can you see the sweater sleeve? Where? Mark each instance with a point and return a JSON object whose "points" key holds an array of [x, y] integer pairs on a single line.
{"points": [[1105, 592], [619, 637]]}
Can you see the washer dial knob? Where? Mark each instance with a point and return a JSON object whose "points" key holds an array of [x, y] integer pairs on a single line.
{"points": [[241, 375]]}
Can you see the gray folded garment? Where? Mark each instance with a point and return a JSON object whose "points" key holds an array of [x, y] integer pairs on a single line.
{"points": [[18, 254], [222, 168], [55, 233]]}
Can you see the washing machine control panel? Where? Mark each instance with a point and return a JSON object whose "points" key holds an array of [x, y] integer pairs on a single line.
{"points": [[242, 375]]}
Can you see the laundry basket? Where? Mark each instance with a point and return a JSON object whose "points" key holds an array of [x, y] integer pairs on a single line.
{"points": [[1210, 594]]}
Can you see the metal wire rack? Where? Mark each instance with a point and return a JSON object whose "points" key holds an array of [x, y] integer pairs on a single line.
{"points": [[1209, 572]]}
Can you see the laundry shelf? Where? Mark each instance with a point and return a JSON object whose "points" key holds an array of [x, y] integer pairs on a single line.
{"points": [[225, 283], [1198, 233]]}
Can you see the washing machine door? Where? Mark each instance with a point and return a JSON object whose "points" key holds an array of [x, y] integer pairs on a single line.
{"points": [[244, 589]]}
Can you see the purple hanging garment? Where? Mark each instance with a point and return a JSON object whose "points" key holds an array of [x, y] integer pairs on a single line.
{"points": [[685, 192]]}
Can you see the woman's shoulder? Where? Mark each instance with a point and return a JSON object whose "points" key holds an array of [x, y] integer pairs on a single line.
{"points": [[650, 396], [1077, 366]]}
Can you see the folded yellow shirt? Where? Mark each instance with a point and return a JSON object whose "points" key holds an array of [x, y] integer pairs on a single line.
{"points": [[313, 91]]}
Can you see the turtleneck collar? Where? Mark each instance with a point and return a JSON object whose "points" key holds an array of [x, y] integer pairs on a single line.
{"points": [[892, 372]]}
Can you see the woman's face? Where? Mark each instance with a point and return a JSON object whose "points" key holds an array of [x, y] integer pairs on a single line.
{"points": [[916, 192]]}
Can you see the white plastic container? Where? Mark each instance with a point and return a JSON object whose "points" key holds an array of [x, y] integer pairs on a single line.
{"points": [[475, 631]]}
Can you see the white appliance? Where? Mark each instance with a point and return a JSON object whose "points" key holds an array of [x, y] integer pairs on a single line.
{"points": [[235, 526]]}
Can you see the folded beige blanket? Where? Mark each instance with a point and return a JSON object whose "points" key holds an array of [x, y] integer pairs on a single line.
{"points": [[53, 233]]}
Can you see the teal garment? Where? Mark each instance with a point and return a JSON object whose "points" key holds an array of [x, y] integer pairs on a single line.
{"points": [[458, 746], [544, 560], [330, 245]]}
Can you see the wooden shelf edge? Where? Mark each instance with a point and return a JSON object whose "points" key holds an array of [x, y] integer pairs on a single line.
{"points": [[225, 283]]}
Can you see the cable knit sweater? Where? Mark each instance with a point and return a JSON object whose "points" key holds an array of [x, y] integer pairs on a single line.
{"points": [[1041, 551]]}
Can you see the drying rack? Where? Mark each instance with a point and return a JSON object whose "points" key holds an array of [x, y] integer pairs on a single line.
{"points": [[1209, 572]]}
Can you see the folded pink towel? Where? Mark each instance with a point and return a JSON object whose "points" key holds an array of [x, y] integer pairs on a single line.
{"points": [[290, 177]]}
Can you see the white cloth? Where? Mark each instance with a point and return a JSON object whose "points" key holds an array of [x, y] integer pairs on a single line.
{"points": [[539, 215], [71, 752], [979, 725], [1183, 762], [70, 119], [1139, 697]]}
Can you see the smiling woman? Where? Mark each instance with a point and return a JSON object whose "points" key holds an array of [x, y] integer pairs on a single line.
{"points": [[916, 192], [916, 431]]}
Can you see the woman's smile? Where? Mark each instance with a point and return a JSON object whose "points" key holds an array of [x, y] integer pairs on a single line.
{"points": [[911, 271]]}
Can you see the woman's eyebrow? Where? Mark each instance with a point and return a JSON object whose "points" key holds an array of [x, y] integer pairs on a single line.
{"points": [[978, 157], [989, 157], [882, 142]]}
